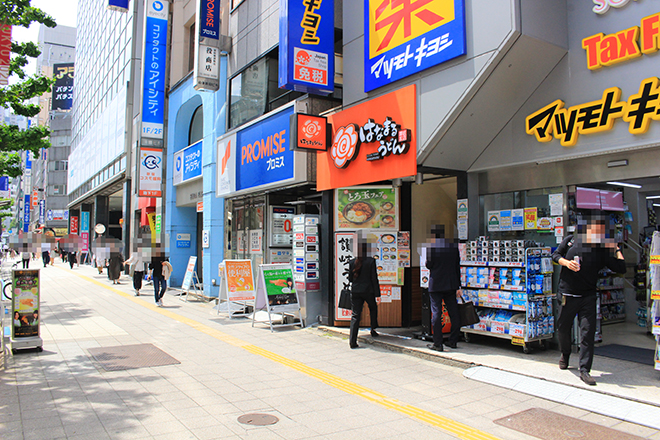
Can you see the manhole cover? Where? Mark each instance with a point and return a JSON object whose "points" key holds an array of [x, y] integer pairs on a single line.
{"points": [[124, 357], [549, 425], [257, 419]]}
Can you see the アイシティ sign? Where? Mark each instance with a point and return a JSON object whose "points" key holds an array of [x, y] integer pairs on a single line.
{"points": [[403, 38], [188, 163]]}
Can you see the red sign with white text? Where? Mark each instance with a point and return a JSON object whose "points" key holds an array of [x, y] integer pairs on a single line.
{"points": [[371, 142], [74, 225], [5, 53]]}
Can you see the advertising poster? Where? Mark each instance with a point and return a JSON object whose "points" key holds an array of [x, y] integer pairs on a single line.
{"points": [[386, 256], [517, 220], [25, 306], [385, 294], [255, 241], [462, 208], [188, 276], [544, 223], [403, 243], [367, 208], [556, 204], [63, 87], [278, 282], [505, 220], [530, 218], [151, 172], [345, 250], [239, 279], [493, 221]]}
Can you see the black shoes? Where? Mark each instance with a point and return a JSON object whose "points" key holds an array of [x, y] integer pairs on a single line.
{"points": [[374, 334], [435, 347], [454, 345], [586, 378], [354, 346], [563, 362]]}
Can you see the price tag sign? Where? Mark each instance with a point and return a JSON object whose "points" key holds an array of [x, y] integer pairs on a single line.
{"points": [[497, 327]]}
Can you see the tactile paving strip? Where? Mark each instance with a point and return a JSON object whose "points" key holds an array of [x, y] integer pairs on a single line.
{"points": [[548, 425], [125, 357]]}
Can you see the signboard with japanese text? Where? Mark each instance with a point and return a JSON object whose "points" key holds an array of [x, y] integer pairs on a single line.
{"points": [[188, 276], [73, 224], [307, 46], [404, 38], [281, 225], [63, 87], [206, 73], [239, 280], [278, 285], [188, 163], [42, 211], [5, 53], [154, 65], [309, 132], [375, 207], [4, 187], [84, 230], [371, 142], [26, 213], [262, 152], [530, 218], [150, 172], [345, 250]]}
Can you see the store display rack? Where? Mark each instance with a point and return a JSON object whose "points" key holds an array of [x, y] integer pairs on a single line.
{"points": [[499, 289], [611, 300]]}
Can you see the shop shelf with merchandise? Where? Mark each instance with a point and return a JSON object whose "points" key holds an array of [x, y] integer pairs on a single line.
{"points": [[500, 288]]}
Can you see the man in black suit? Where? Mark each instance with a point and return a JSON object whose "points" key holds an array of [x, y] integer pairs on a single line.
{"points": [[443, 261]]}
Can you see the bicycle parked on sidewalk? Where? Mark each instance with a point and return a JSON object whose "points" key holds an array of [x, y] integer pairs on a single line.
{"points": [[6, 280]]}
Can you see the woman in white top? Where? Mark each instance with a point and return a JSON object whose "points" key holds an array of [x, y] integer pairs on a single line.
{"points": [[137, 265]]}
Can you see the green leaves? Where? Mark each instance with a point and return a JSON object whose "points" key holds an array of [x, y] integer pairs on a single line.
{"points": [[20, 13]]}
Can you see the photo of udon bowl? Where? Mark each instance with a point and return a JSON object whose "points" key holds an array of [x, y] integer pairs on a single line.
{"points": [[359, 212]]}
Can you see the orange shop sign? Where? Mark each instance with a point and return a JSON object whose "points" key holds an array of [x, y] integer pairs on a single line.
{"points": [[309, 132], [371, 142]]}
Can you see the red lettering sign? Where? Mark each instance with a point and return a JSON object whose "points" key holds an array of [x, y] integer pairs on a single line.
{"points": [[74, 225]]}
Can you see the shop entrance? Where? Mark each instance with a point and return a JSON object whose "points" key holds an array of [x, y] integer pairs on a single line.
{"points": [[632, 207]]}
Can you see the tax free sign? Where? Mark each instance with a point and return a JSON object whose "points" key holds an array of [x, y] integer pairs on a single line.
{"points": [[188, 163], [154, 64]]}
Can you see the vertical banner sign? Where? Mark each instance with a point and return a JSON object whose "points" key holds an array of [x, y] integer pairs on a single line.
{"points": [[5, 53], [42, 211], [154, 67], [345, 250], [63, 87], [26, 213], [4, 187], [84, 230], [73, 222], [118, 5], [401, 40], [206, 73], [151, 172], [307, 46], [35, 198]]}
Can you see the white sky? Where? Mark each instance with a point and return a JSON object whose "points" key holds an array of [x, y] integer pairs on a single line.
{"points": [[64, 13]]}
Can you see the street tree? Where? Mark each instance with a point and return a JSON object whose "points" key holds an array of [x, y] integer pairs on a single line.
{"points": [[19, 94]]}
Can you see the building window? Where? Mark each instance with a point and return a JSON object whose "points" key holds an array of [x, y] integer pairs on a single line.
{"points": [[57, 190], [255, 92], [58, 165], [191, 47], [196, 131]]}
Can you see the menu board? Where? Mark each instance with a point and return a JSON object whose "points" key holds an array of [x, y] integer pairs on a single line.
{"points": [[281, 225], [25, 304], [403, 248], [362, 207], [345, 250], [386, 256]]}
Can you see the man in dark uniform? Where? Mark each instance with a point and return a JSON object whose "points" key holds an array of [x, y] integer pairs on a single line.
{"points": [[581, 258], [444, 263]]}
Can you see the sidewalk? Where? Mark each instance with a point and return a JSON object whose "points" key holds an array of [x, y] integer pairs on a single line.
{"points": [[314, 385], [627, 380]]}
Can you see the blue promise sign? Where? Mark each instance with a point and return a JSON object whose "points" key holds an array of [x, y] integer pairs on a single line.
{"points": [[209, 12], [307, 46], [263, 154], [153, 66], [401, 41]]}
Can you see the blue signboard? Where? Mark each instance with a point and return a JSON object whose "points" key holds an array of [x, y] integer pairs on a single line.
{"points": [[118, 5], [263, 155], [192, 161], [42, 211], [4, 186], [26, 213], [154, 66], [84, 221], [402, 41], [182, 240], [28, 161], [209, 14], [307, 46]]}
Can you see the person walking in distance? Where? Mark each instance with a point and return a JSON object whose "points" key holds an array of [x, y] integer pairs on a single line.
{"points": [[365, 287], [582, 257], [444, 264], [25, 256], [137, 265], [156, 267]]}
